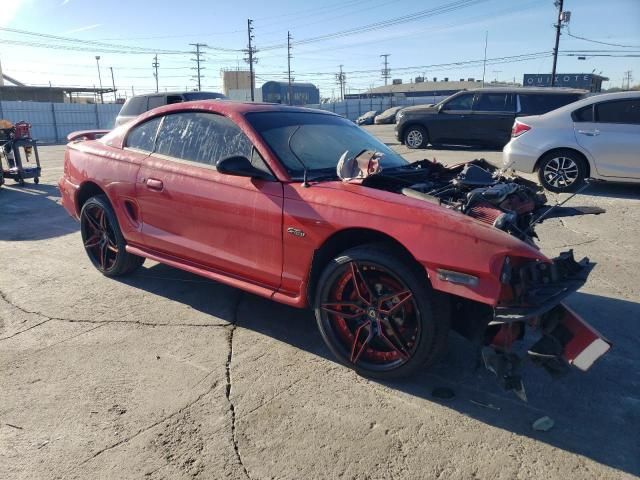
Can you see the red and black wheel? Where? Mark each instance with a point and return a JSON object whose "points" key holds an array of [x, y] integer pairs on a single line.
{"points": [[378, 314], [103, 240]]}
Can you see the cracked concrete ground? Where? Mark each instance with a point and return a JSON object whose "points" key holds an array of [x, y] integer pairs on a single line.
{"points": [[167, 375]]}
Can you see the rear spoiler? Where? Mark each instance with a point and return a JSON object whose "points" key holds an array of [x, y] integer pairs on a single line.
{"points": [[82, 135]]}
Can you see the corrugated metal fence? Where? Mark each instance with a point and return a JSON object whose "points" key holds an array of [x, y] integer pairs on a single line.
{"points": [[52, 122], [353, 108]]}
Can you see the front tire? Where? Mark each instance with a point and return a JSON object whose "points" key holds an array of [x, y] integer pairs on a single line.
{"points": [[562, 171], [103, 240], [377, 313], [416, 137]]}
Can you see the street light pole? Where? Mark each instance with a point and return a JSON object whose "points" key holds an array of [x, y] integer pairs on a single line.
{"points": [[113, 82], [99, 77]]}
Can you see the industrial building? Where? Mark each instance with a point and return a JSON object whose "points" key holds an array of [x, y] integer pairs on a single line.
{"points": [[422, 88], [236, 84], [301, 93]]}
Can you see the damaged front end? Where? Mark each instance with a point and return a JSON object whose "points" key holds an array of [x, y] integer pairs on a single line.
{"points": [[476, 189], [531, 301]]}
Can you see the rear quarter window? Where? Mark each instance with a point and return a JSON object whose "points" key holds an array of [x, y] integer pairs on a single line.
{"points": [[143, 136], [134, 106], [584, 114], [539, 103]]}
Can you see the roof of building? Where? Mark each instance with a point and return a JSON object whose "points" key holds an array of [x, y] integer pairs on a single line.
{"points": [[293, 84]]}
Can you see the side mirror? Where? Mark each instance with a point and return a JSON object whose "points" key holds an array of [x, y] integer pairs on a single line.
{"points": [[440, 107], [240, 167]]}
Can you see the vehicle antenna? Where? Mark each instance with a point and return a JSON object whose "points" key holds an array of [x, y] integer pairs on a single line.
{"points": [[305, 183]]}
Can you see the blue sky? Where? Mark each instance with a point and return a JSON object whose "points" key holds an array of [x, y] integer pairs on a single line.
{"points": [[514, 27]]}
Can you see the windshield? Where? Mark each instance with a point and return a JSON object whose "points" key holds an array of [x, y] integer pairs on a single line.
{"points": [[318, 140]]}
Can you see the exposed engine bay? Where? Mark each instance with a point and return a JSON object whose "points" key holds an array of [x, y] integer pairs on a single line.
{"points": [[477, 189]]}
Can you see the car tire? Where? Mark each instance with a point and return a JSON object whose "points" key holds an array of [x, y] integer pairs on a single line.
{"points": [[562, 171], [416, 137], [103, 240], [389, 324]]}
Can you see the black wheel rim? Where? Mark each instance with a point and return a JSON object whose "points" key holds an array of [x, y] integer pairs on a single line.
{"points": [[371, 315], [99, 238]]}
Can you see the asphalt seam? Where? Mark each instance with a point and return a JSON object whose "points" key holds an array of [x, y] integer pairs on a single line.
{"points": [[149, 427], [48, 318], [232, 408]]}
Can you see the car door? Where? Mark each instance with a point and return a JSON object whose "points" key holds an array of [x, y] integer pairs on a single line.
{"points": [[610, 132], [453, 121], [190, 211], [493, 116]]}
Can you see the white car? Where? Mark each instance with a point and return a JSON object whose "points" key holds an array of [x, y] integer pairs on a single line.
{"points": [[597, 137]]}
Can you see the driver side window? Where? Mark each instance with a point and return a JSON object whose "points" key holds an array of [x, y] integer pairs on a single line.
{"points": [[463, 102]]}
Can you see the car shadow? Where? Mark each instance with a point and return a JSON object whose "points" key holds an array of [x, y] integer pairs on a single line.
{"points": [[464, 148], [32, 212], [596, 414], [613, 190]]}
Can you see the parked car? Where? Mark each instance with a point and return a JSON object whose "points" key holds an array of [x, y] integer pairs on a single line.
{"points": [[248, 195], [388, 116], [139, 104], [481, 117], [367, 118], [598, 137]]}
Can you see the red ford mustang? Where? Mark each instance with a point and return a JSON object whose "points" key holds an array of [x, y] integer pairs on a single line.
{"points": [[390, 255]]}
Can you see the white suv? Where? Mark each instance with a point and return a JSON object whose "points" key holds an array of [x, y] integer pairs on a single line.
{"points": [[597, 137]]}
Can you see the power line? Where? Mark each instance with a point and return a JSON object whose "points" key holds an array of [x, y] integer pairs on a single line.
{"points": [[450, 7], [600, 42]]}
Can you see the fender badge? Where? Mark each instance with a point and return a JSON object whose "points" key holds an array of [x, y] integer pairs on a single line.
{"points": [[296, 231]]}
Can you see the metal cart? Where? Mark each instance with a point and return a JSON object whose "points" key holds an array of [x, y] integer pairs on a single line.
{"points": [[17, 145]]}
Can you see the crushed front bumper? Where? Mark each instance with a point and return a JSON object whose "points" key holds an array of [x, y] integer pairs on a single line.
{"points": [[563, 337]]}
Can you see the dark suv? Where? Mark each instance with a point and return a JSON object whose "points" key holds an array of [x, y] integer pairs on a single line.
{"points": [[139, 104], [481, 117]]}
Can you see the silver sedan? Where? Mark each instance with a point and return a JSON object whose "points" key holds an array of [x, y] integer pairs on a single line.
{"points": [[597, 137]]}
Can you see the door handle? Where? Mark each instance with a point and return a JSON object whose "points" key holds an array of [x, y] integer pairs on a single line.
{"points": [[154, 184], [589, 133]]}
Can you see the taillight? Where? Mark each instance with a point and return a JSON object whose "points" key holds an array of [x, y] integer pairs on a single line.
{"points": [[519, 128]]}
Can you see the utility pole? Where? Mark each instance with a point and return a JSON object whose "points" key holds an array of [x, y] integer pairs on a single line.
{"points": [[386, 73], [99, 78], [341, 80], [113, 82], [289, 38], [484, 64], [558, 25], [628, 77], [496, 72], [198, 60], [155, 66], [250, 57]]}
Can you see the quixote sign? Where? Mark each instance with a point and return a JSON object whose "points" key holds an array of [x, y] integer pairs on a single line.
{"points": [[573, 80]]}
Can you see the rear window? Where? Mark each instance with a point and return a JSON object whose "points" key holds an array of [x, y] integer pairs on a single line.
{"points": [[201, 96], [156, 101], [618, 111], [134, 106], [539, 103]]}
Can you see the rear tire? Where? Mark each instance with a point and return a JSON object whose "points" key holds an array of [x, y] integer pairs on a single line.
{"points": [[103, 240], [562, 171], [391, 323], [416, 137]]}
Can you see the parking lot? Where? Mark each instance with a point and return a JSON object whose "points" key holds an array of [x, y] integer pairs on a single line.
{"points": [[163, 374]]}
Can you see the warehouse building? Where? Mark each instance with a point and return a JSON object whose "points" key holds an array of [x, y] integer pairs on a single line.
{"points": [[422, 88]]}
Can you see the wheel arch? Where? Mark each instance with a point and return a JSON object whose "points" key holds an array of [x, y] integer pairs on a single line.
{"points": [[348, 238], [587, 163], [87, 190]]}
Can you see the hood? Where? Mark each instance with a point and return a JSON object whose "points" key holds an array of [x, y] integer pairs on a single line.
{"points": [[429, 108]]}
